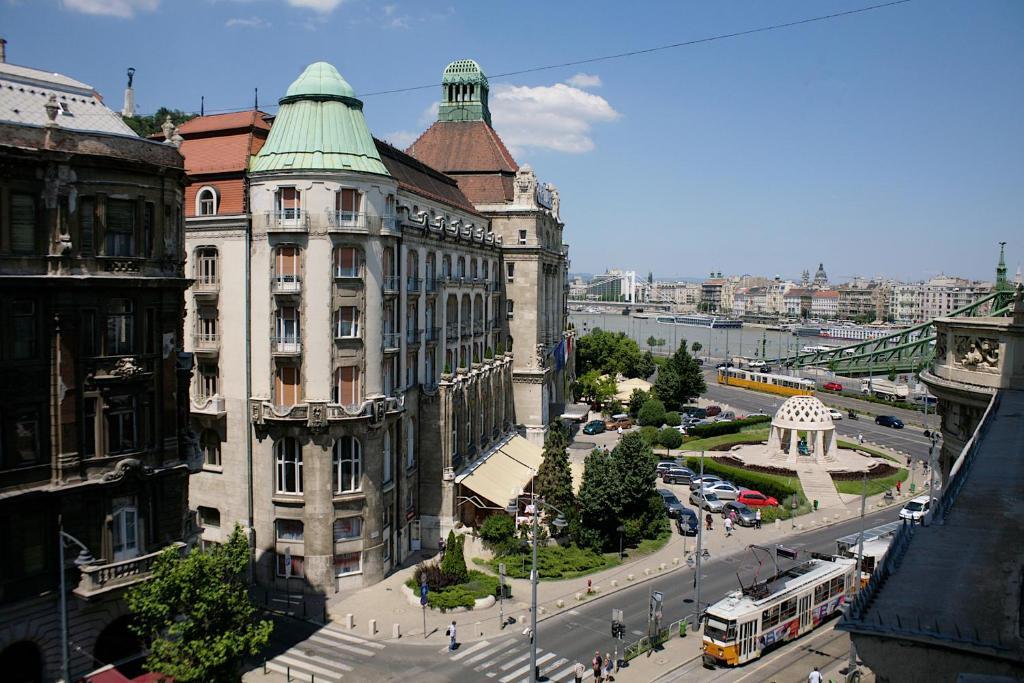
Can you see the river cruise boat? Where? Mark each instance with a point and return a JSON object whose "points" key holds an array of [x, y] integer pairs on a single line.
{"points": [[713, 321]]}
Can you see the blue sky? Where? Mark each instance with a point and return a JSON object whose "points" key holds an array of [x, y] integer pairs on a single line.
{"points": [[885, 143]]}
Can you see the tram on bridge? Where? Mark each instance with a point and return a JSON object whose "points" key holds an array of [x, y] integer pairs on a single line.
{"points": [[766, 382]]}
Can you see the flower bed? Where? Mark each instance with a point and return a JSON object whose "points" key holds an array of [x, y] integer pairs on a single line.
{"points": [[479, 591]]}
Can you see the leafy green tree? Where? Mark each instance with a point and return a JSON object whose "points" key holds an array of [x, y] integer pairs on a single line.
{"points": [[892, 374], [652, 413], [695, 348], [649, 435], [670, 438], [636, 400], [652, 341], [453, 565], [598, 502], [144, 126], [613, 407], [633, 466], [610, 353], [594, 388], [646, 366], [497, 532], [673, 419], [196, 614], [680, 379], [554, 477]]}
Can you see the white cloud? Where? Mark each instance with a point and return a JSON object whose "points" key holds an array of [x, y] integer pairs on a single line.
{"points": [[250, 22], [401, 138], [115, 8], [324, 6], [392, 19], [585, 81], [557, 117]]}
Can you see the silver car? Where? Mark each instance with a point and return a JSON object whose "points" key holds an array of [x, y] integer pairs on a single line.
{"points": [[710, 501], [695, 482], [723, 490]]}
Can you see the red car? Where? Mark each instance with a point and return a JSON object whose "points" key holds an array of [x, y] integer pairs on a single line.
{"points": [[833, 386], [713, 410], [756, 499]]}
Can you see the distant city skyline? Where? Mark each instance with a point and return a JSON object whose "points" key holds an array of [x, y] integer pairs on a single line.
{"points": [[887, 142]]}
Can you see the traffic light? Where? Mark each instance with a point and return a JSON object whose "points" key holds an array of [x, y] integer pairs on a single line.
{"points": [[618, 629]]}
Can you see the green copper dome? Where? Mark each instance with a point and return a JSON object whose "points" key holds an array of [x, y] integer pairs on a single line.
{"points": [[463, 71], [319, 127], [464, 91]]}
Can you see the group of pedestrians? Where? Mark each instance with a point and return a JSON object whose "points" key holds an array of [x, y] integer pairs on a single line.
{"points": [[603, 668], [730, 521]]}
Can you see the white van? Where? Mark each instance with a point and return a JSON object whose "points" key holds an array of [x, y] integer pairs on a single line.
{"points": [[916, 509]]}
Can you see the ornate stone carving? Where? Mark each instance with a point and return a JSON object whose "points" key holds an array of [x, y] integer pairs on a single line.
{"points": [[940, 347], [317, 418], [126, 368], [526, 185], [977, 353]]}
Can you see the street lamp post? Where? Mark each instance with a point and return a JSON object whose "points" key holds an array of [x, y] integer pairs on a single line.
{"points": [[84, 558], [621, 529]]}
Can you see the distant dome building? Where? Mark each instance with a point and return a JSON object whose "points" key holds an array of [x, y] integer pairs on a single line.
{"points": [[821, 277], [803, 414]]}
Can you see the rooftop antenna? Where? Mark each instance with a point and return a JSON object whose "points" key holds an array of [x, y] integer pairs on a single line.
{"points": [[256, 98], [202, 105]]}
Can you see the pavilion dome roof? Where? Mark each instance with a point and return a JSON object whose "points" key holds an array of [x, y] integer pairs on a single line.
{"points": [[803, 412], [320, 78], [463, 71]]}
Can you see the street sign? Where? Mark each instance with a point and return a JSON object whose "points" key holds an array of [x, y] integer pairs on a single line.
{"points": [[423, 593]]}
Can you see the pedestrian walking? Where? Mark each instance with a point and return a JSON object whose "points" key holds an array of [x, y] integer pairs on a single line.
{"points": [[619, 430], [899, 486], [596, 664], [452, 644], [578, 672], [860, 438], [707, 522], [815, 676], [757, 518], [728, 526], [732, 517], [609, 667]]}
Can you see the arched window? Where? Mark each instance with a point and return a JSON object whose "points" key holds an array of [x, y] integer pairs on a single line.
{"points": [[206, 201], [288, 455], [209, 441], [348, 465]]}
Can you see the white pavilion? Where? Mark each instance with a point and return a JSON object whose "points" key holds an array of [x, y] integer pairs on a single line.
{"points": [[803, 414]]}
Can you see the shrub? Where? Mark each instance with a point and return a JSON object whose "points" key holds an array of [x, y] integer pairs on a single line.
{"points": [[731, 427], [456, 596], [497, 531], [672, 419], [649, 435], [453, 566], [652, 413], [637, 400], [770, 485], [553, 562], [670, 438], [479, 585], [432, 574]]}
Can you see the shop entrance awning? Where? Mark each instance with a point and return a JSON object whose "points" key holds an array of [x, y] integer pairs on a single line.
{"points": [[502, 475]]}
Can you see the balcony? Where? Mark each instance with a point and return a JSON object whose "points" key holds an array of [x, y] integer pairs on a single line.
{"points": [[286, 220], [392, 342], [347, 222], [494, 287], [206, 287], [210, 405], [391, 284], [389, 222], [412, 336], [431, 285], [452, 332], [286, 346], [478, 328], [98, 579], [432, 334], [467, 330], [412, 284], [286, 285], [206, 343]]}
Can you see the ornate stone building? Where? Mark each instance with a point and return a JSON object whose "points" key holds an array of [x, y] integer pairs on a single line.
{"points": [[525, 215], [93, 398]]}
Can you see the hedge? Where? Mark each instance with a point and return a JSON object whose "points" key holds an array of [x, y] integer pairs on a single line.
{"points": [[781, 488], [731, 427], [478, 585]]}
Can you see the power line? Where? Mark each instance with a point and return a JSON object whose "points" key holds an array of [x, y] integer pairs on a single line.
{"points": [[644, 51]]}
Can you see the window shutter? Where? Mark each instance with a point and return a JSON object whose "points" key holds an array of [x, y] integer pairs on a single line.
{"points": [[23, 223]]}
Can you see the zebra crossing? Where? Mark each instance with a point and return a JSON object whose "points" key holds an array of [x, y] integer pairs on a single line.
{"points": [[322, 656], [508, 662]]}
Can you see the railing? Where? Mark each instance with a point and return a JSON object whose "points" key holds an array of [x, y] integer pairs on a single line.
{"points": [[286, 284], [478, 328], [467, 330], [433, 334], [392, 341], [494, 287], [205, 284], [412, 336], [97, 579], [452, 332], [412, 284], [286, 346], [431, 285], [209, 405], [392, 283], [287, 220], [353, 272], [389, 221], [346, 221], [206, 341]]}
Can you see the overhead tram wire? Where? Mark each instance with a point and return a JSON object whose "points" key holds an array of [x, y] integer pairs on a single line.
{"points": [[635, 53]]}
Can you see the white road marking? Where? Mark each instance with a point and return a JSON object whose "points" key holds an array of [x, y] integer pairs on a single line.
{"points": [[465, 651]]}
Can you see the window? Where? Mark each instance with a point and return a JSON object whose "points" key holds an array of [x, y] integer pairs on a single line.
{"points": [[286, 265], [122, 431], [347, 528], [347, 205], [120, 236], [150, 332], [206, 327], [89, 426], [287, 203], [287, 387], [837, 585], [207, 385], [120, 326], [411, 363], [288, 455], [487, 269], [787, 610], [346, 262], [461, 267], [446, 266], [821, 593], [410, 500], [522, 237], [86, 224], [347, 563], [510, 308], [209, 441], [287, 325], [348, 465], [209, 517], [770, 618], [206, 267], [346, 322], [23, 223], [473, 272], [289, 530], [387, 456], [346, 386], [296, 569], [510, 272], [23, 327], [390, 375], [206, 202], [148, 226], [410, 444], [23, 441]]}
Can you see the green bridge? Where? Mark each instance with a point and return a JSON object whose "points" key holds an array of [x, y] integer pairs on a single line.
{"points": [[908, 350]]}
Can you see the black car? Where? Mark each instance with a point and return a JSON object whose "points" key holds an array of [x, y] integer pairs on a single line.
{"points": [[677, 475], [889, 421], [687, 522], [672, 505]]}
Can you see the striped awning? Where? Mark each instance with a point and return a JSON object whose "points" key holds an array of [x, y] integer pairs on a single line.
{"points": [[502, 475]]}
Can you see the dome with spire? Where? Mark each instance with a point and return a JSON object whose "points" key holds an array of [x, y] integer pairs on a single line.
{"points": [[319, 127]]}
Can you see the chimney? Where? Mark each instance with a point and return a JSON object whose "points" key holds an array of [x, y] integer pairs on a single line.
{"points": [[3, 50]]}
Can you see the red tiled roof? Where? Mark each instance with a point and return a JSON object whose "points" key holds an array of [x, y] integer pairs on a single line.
{"points": [[463, 146], [221, 154], [230, 195], [415, 176], [490, 188], [221, 122]]}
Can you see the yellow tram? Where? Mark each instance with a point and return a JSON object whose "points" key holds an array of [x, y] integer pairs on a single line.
{"points": [[741, 626], [766, 382]]}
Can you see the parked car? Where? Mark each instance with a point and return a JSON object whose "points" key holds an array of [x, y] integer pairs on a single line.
{"points": [[710, 501], [677, 475], [700, 361], [713, 410], [672, 504], [916, 509], [725, 416], [755, 499], [694, 411], [724, 365], [833, 386], [687, 522], [695, 482], [756, 364], [593, 427], [724, 490], [616, 421], [889, 421], [835, 414], [663, 465], [744, 515], [766, 369]]}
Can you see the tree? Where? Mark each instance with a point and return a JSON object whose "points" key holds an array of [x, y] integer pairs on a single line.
{"points": [[670, 438], [633, 466], [645, 368], [610, 353], [673, 419], [680, 379], [636, 400], [144, 126], [453, 565], [554, 476], [649, 435], [196, 614], [595, 388], [598, 501], [652, 413], [695, 348], [498, 532], [652, 341]]}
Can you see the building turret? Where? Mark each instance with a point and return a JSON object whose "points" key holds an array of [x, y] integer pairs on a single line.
{"points": [[464, 91], [1002, 284]]}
